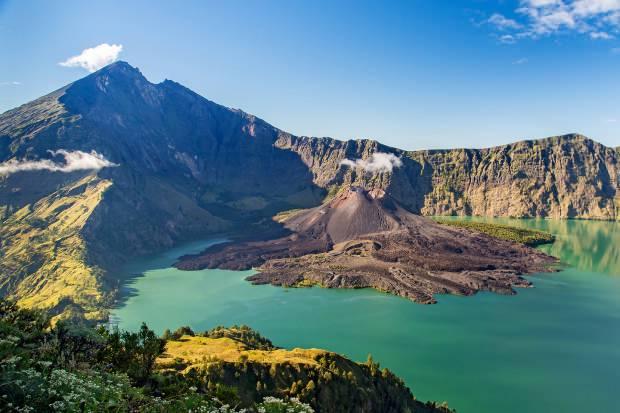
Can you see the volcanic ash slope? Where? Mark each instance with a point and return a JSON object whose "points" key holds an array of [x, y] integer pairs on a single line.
{"points": [[365, 239]]}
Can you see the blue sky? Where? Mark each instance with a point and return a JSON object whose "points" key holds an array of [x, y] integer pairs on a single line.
{"points": [[416, 74]]}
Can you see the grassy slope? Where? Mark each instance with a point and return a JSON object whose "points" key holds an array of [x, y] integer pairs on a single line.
{"points": [[326, 380], [43, 255], [196, 351], [524, 236]]}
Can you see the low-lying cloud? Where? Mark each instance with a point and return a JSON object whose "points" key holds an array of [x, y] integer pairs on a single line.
{"points": [[94, 58], [378, 162], [73, 161]]}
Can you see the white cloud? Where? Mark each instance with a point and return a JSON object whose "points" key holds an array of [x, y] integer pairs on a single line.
{"points": [[521, 61], [378, 162], [13, 83], [593, 7], [543, 3], [502, 23], [507, 39], [598, 19], [94, 58], [73, 161], [615, 50], [612, 120], [601, 35]]}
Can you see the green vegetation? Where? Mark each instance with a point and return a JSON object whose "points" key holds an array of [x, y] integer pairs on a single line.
{"points": [[238, 358], [285, 215], [242, 334], [332, 191], [521, 235], [43, 254], [74, 368], [306, 283]]}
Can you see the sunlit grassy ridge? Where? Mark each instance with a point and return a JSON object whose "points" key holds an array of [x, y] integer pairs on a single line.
{"points": [[284, 215], [522, 235], [326, 380], [43, 254], [196, 351]]}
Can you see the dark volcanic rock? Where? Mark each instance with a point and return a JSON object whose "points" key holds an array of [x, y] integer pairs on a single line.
{"points": [[365, 239]]}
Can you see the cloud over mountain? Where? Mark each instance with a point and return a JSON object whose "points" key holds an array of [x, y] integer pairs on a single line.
{"points": [[73, 161], [378, 162], [94, 58]]}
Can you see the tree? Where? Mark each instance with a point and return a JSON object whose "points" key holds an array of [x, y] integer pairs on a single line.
{"points": [[182, 331], [167, 335], [370, 362], [150, 347], [133, 353]]}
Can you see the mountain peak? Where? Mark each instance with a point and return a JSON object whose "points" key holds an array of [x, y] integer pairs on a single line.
{"points": [[117, 87], [118, 73], [121, 67]]}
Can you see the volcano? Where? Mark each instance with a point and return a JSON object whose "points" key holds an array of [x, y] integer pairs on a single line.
{"points": [[364, 238]]}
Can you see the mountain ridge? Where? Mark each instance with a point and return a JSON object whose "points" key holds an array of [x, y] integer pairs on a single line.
{"points": [[455, 182]]}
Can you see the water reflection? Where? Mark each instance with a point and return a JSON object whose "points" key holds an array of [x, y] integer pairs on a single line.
{"points": [[591, 246]]}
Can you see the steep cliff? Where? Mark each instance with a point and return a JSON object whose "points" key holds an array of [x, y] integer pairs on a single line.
{"points": [[567, 176], [44, 254]]}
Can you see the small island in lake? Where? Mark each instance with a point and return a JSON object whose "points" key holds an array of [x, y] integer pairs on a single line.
{"points": [[363, 238]]}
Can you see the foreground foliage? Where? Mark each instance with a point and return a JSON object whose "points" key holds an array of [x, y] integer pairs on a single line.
{"points": [[72, 368], [521, 235]]}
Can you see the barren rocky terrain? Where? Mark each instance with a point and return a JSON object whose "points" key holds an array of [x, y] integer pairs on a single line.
{"points": [[365, 239]]}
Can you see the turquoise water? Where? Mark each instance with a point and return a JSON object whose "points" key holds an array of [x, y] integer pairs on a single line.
{"points": [[552, 348]]}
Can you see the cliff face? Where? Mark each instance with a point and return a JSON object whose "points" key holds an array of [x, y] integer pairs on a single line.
{"points": [[567, 176], [560, 177]]}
